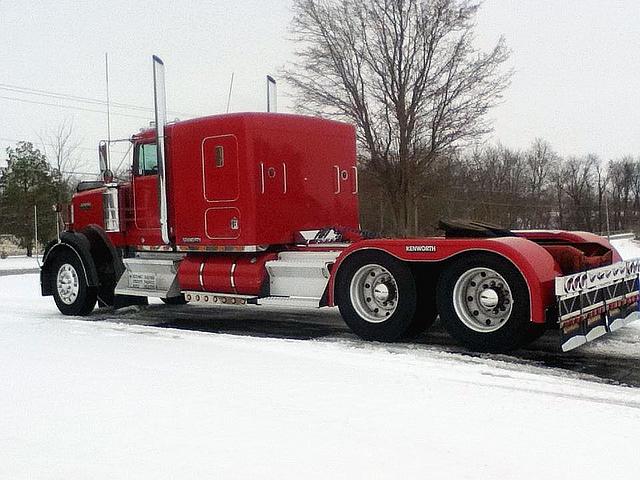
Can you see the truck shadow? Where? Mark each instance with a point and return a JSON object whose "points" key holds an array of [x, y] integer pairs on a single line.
{"points": [[614, 359]]}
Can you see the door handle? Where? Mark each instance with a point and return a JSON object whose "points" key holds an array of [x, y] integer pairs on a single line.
{"points": [[355, 180]]}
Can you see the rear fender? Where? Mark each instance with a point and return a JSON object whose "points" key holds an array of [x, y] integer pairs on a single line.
{"points": [[537, 266]]}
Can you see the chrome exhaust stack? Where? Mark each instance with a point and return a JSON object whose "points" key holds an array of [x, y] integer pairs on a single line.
{"points": [[160, 107]]}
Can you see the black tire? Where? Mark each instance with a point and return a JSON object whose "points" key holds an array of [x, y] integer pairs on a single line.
{"points": [[398, 323], [512, 331], [180, 300], [85, 300]]}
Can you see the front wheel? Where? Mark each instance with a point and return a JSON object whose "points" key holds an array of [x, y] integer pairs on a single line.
{"points": [[483, 302], [70, 290], [376, 295]]}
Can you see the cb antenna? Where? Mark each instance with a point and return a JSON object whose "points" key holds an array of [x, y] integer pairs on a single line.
{"points": [[230, 90], [272, 94], [106, 72]]}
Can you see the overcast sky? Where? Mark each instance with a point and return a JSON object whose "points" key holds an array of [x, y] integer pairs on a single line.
{"points": [[576, 63]]}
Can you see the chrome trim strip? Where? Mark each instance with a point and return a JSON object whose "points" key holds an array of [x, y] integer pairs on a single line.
{"points": [[261, 177], [581, 282], [223, 248], [154, 248], [232, 279], [355, 173], [284, 171], [200, 276]]}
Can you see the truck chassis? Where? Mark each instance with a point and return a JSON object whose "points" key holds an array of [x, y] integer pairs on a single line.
{"points": [[262, 209]]}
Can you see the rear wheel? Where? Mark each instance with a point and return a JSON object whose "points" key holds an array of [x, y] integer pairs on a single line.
{"points": [[484, 303], [376, 296], [70, 290]]}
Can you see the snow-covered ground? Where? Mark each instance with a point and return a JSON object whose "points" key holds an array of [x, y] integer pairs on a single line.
{"points": [[18, 263], [628, 248], [98, 398]]}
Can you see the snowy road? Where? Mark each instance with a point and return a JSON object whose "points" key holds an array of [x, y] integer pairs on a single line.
{"points": [[193, 392], [18, 265]]}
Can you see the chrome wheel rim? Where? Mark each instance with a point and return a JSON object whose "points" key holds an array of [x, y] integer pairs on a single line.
{"points": [[482, 300], [374, 293], [67, 284]]}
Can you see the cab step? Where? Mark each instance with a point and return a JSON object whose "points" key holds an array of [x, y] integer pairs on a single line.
{"points": [[290, 302]]}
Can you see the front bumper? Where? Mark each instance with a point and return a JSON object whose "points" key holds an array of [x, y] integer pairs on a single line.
{"points": [[596, 302]]}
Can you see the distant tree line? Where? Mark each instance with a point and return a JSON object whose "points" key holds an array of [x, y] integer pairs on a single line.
{"points": [[534, 188], [408, 75]]}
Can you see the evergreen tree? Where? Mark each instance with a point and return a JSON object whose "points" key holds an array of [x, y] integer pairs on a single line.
{"points": [[29, 182]]}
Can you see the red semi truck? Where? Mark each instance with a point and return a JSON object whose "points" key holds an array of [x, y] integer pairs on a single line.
{"points": [[262, 209]]}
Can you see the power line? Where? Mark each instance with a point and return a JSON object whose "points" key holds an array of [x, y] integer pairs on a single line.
{"points": [[76, 98], [24, 100], [14, 140]]}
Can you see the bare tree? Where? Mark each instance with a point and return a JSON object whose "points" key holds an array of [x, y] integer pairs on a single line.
{"points": [[406, 73], [577, 175], [602, 179], [622, 174], [62, 149], [541, 162]]}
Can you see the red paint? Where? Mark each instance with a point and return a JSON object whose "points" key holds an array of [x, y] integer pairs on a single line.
{"points": [[88, 209], [570, 238], [225, 273]]}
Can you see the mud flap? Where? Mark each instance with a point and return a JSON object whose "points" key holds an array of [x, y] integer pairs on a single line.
{"points": [[596, 302]]}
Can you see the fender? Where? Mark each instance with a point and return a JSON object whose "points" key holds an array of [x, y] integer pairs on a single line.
{"points": [[103, 247], [80, 246], [537, 266], [569, 237]]}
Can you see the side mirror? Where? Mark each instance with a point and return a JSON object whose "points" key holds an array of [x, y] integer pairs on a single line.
{"points": [[107, 176], [103, 156]]}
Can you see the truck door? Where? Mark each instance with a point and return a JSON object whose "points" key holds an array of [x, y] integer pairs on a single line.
{"points": [[221, 183], [145, 187]]}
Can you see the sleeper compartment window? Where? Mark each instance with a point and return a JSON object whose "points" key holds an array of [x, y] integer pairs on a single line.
{"points": [[219, 156]]}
